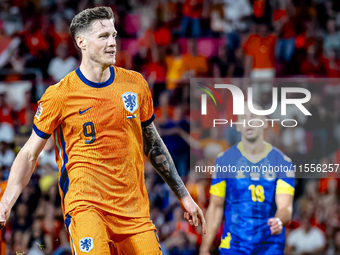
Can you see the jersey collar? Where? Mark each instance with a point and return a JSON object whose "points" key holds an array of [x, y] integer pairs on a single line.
{"points": [[268, 149], [96, 84]]}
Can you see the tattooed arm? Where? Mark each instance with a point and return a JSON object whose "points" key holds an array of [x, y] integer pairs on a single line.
{"points": [[159, 156]]}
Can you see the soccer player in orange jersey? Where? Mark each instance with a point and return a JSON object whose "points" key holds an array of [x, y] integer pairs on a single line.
{"points": [[101, 117]]}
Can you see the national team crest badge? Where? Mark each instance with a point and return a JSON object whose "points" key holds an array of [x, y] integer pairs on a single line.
{"points": [[130, 101], [86, 244], [39, 112]]}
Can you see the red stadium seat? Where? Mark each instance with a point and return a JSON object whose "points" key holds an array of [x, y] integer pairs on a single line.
{"points": [[132, 24], [206, 47], [130, 45]]}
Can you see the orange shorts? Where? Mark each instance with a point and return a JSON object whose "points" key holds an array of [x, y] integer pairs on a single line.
{"points": [[2, 247], [2, 242], [97, 232]]}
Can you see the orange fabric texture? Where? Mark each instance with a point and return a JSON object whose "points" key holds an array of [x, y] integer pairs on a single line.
{"points": [[111, 234], [199, 64], [259, 7], [262, 50], [98, 141], [144, 243], [193, 8], [3, 186], [279, 14], [175, 67], [35, 42], [159, 111]]}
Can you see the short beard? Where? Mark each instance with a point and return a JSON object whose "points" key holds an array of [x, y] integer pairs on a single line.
{"points": [[252, 140], [104, 64], [111, 63]]}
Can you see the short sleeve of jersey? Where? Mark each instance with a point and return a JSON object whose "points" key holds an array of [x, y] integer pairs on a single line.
{"points": [[286, 181], [218, 184], [146, 107], [48, 115]]}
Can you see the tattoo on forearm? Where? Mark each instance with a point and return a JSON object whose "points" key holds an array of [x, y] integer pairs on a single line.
{"points": [[160, 158]]}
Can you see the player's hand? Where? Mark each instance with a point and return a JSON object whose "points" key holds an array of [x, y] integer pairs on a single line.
{"points": [[275, 225], [4, 215], [192, 213]]}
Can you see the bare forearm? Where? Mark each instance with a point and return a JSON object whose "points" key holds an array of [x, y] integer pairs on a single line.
{"points": [[284, 214], [155, 150], [284, 204], [20, 175], [213, 217]]}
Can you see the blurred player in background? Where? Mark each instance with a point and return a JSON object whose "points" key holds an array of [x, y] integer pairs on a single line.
{"points": [[258, 204], [101, 118]]}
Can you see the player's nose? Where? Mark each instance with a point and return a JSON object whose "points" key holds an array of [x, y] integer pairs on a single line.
{"points": [[112, 41]]}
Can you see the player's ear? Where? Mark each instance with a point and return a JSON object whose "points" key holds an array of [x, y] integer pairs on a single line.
{"points": [[238, 129], [265, 122], [81, 42]]}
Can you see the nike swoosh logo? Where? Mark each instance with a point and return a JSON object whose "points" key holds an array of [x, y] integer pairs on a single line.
{"points": [[81, 112]]}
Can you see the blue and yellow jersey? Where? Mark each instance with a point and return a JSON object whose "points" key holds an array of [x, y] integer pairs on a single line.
{"points": [[249, 192], [97, 130]]}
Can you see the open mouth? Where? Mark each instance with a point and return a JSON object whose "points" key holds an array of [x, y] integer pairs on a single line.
{"points": [[111, 53]]}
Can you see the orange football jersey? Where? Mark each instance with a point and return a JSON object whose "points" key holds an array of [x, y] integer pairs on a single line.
{"points": [[97, 129]]}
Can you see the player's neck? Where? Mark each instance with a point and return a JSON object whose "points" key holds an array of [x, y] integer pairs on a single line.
{"points": [[254, 149], [95, 73]]}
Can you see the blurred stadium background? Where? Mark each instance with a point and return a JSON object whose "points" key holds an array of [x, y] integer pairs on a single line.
{"points": [[169, 42]]}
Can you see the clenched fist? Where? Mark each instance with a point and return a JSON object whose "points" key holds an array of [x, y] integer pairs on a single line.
{"points": [[275, 225], [4, 215]]}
